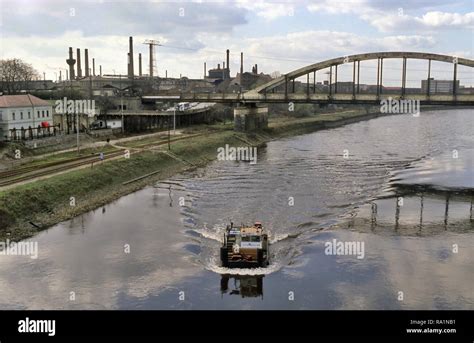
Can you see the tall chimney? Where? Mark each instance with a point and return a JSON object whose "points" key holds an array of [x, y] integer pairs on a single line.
{"points": [[100, 70], [256, 68], [71, 61], [227, 59], [86, 62], [218, 66], [140, 64], [60, 76], [241, 63], [130, 57], [79, 70], [223, 65], [166, 74], [128, 66], [93, 66], [205, 70], [67, 75]]}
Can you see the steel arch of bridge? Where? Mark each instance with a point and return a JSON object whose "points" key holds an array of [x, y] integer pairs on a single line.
{"points": [[355, 60], [266, 92]]}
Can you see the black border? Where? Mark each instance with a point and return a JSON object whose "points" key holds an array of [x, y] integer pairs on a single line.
{"points": [[138, 323]]}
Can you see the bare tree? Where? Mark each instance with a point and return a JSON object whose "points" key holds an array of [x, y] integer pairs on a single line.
{"points": [[276, 74], [15, 75]]}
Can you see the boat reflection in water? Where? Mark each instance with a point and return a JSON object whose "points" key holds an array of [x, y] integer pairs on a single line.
{"points": [[247, 286]]}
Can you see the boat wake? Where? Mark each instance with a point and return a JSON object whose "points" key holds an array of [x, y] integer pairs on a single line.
{"points": [[214, 266], [210, 252]]}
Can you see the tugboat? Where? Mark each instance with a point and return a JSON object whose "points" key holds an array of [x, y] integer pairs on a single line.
{"points": [[245, 247]]}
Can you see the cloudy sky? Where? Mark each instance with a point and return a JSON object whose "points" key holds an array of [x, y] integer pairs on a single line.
{"points": [[278, 35]]}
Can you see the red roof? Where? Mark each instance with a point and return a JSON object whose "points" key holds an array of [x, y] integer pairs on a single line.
{"points": [[22, 100]]}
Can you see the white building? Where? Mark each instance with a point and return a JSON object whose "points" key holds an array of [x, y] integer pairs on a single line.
{"points": [[24, 116]]}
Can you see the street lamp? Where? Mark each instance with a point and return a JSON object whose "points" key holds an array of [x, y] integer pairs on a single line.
{"points": [[174, 121], [169, 140], [121, 102], [77, 131]]}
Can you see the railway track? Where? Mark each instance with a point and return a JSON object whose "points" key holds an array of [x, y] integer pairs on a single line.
{"points": [[13, 176], [24, 170], [163, 142], [28, 173]]}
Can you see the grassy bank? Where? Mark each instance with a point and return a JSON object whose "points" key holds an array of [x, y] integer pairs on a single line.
{"points": [[29, 208]]}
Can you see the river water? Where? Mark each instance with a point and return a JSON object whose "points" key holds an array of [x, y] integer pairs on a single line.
{"points": [[399, 187]]}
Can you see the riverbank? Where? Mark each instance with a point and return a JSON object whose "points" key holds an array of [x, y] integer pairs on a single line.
{"points": [[30, 208]]}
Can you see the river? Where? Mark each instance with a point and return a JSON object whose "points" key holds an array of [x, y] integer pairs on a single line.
{"points": [[400, 187]]}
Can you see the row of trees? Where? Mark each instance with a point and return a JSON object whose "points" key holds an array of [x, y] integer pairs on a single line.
{"points": [[15, 75]]}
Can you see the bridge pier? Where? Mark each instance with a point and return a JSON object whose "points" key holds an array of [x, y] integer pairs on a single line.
{"points": [[249, 117]]}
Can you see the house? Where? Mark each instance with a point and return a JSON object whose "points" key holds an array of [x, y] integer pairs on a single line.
{"points": [[24, 116]]}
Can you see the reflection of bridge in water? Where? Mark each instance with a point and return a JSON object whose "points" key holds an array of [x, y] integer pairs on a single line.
{"points": [[247, 286], [435, 196]]}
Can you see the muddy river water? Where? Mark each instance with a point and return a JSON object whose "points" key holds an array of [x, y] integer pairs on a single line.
{"points": [[399, 187]]}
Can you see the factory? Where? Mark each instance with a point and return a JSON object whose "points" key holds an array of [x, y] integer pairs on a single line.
{"points": [[221, 77], [93, 82], [85, 75], [122, 97]]}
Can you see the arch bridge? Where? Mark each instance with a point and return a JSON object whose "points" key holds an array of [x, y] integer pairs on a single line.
{"points": [[282, 89], [249, 116]]}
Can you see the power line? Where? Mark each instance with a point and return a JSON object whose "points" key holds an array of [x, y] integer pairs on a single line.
{"points": [[253, 56]]}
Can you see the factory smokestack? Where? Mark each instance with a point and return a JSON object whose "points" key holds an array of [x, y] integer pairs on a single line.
{"points": [[227, 59], [93, 66], [241, 63], [130, 58], [79, 70], [86, 61], [256, 68], [71, 61], [151, 61], [100, 70], [140, 64], [205, 70]]}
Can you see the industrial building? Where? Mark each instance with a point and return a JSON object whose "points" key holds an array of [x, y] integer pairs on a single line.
{"points": [[438, 86]]}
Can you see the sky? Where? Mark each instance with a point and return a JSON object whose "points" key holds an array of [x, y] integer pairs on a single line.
{"points": [[277, 35]]}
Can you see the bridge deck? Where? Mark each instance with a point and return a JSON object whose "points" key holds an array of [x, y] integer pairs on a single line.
{"points": [[254, 97]]}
